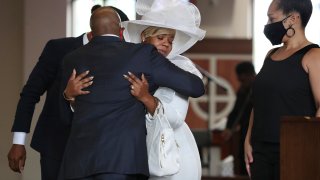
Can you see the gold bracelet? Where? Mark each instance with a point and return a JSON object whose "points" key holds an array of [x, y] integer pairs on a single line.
{"points": [[66, 98]]}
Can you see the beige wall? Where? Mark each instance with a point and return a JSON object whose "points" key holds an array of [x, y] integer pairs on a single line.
{"points": [[226, 18], [25, 28], [43, 20], [10, 75]]}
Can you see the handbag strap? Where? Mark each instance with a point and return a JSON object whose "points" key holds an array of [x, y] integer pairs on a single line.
{"points": [[161, 116]]}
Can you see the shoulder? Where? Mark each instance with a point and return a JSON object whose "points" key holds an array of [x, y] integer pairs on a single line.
{"points": [[271, 51], [65, 41], [313, 52], [311, 59], [62, 40], [64, 45], [185, 64], [312, 55], [55, 44], [144, 51], [138, 46], [182, 62], [147, 47]]}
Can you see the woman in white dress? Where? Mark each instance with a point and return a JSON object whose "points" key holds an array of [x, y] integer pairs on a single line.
{"points": [[157, 27]]}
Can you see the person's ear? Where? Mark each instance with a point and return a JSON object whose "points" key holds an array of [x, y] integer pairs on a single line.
{"points": [[121, 33], [293, 19], [143, 38], [89, 35]]}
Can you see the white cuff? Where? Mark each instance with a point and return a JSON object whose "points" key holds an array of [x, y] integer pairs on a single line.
{"points": [[158, 111], [19, 138]]}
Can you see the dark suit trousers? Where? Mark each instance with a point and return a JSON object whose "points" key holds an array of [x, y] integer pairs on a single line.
{"points": [[49, 168], [114, 177], [266, 161]]}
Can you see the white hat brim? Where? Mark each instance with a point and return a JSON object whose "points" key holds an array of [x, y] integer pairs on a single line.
{"points": [[183, 40]]}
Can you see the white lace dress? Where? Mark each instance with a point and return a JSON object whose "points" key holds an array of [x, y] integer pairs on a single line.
{"points": [[175, 109]]}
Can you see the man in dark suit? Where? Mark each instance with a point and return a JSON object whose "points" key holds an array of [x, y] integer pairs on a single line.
{"points": [[108, 132], [50, 135]]}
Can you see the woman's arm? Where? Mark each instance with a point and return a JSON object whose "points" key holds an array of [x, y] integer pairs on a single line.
{"points": [[140, 90], [311, 64], [174, 105], [247, 145]]}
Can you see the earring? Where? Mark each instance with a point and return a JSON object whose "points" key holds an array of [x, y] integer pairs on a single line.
{"points": [[290, 31]]}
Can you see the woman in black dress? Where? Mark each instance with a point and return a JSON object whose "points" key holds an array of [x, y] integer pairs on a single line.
{"points": [[287, 85]]}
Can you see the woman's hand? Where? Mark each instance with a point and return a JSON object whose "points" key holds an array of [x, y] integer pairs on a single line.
{"points": [[76, 84], [248, 158], [139, 88]]}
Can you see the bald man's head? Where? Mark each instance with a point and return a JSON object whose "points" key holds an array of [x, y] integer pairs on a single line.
{"points": [[105, 20]]}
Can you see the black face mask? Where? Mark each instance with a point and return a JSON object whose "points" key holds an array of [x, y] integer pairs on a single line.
{"points": [[275, 32]]}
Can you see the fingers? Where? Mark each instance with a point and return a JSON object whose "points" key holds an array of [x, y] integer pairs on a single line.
{"points": [[73, 75], [247, 165], [248, 161], [134, 87], [21, 164], [80, 80], [132, 78], [248, 169], [144, 80], [12, 165], [250, 158], [16, 158], [86, 82], [82, 75]]}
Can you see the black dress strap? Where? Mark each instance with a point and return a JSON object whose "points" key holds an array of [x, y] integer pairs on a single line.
{"points": [[272, 52], [305, 49]]}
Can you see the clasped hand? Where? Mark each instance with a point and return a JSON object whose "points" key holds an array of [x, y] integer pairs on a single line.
{"points": [[76, 84], [139, 88]]}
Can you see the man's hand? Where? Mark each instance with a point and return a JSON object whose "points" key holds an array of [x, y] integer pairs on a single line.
{"points": [[17, 157], [76, 84]]}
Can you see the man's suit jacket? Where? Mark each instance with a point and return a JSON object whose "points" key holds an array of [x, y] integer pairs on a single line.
{"points": [[50, 135], [108, 133]]}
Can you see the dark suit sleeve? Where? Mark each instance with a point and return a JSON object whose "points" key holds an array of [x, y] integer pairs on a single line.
{"points": [[66, 70], [40, 79], [167, 74]]}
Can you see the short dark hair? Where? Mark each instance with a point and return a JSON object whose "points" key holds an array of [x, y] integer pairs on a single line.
{"points": [[303, 7], [122, 15], [95, 7], [245, 68]]}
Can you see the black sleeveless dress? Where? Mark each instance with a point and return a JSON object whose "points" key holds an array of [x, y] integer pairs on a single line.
{"points": [[281, 88]]}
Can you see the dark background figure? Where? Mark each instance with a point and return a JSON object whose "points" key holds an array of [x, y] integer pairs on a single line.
{"points": [[238, 119], [108, 131], [50, 135]]}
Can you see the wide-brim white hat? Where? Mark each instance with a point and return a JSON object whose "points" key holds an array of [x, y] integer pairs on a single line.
{"points": [[184, 17]]}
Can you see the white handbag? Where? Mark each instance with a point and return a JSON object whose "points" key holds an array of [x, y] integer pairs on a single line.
{"points": [[163, 150]]}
